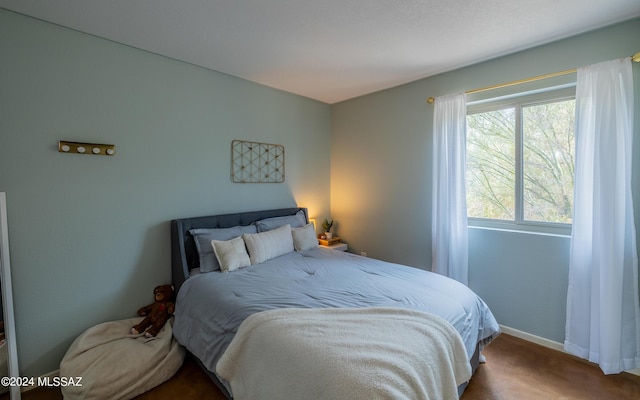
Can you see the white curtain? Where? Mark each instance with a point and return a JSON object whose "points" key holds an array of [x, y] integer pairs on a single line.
{"points": [[603, 317], [449, 212]]}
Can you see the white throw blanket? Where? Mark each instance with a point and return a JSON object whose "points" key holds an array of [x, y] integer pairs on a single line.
{"points": [[337, 353]]}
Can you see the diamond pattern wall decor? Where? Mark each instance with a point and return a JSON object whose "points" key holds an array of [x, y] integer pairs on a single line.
{"points": [[253, 162]]}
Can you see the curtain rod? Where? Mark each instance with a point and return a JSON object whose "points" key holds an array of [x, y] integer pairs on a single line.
{"points": [[431, 100]]}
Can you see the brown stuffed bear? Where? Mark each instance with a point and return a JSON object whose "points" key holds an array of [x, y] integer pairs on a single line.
{"points": [[158, 313]]}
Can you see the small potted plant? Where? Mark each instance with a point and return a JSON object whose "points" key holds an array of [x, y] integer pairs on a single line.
{"points": [[326, 225]]}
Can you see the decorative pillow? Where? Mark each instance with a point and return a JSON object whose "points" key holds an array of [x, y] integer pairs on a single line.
{"points": [[304, 238], [203, 238], [264, 246], [231, 254], [295, 221]]}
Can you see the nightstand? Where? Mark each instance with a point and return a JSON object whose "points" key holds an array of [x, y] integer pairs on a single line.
{"points": [[336, 246]]}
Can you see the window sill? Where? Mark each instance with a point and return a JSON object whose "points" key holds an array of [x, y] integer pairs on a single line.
{"points": [[522, 231]]}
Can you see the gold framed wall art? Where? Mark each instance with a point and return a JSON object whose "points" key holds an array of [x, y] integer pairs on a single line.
{"points": [[255, 162]]}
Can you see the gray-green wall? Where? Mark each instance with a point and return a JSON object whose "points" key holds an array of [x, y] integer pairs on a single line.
{"points": [[381, 162], [89, 235]]}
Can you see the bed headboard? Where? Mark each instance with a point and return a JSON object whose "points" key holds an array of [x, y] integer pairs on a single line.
{"points": [[184, 255]]}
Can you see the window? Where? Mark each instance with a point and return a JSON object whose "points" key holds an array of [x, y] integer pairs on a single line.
{"points": [[520, 161]]}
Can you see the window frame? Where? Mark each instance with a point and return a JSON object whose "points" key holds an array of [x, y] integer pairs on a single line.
{"points": [[518, 101]]}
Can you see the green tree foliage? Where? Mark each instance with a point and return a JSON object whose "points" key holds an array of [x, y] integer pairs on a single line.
{"points": [[548, 154], [491, 164]]}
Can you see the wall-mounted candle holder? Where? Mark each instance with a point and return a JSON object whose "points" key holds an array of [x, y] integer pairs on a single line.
{"points": [[95, 149]]}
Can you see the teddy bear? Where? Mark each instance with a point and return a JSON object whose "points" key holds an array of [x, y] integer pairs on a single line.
{"points": [[156, 314]]}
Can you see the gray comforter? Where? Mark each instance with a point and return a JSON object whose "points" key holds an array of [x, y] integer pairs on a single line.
{"points": [[211, 306]]}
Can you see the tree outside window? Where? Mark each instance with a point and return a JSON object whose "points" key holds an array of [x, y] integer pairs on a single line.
{"points": [[520, 162]]}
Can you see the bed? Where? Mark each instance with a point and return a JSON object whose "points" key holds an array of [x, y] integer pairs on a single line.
{"points": [[216, 312]]}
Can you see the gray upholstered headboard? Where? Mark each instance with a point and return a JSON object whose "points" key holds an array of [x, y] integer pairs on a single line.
{"points": [[184, 255]]}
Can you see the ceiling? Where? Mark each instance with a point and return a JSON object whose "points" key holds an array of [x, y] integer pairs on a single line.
{"points": [[330, 50]]}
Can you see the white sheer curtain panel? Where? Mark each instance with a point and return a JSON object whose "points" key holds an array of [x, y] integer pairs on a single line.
{"points": [[603, 317], [449, 213]]}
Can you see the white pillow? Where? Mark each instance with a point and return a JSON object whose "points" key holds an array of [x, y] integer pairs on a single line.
{"points": [[203, 238], [231, 254], [304, 238], [264, 246]]}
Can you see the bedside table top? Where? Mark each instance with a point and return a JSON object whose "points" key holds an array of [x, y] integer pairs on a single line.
{"points": [[336, 246]]}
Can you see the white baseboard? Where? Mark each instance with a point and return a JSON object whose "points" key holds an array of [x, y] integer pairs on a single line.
{"points": [[49, 375], [532, 338], [544, 342]]}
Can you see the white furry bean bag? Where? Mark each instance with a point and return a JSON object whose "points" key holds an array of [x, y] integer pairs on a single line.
{"points": [[115, 364]]}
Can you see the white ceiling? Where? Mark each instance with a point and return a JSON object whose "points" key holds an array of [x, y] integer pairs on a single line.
{"points": [[330, 50]]}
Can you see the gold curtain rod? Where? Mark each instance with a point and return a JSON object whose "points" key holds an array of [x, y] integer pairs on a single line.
{"points": [[431, 100]]}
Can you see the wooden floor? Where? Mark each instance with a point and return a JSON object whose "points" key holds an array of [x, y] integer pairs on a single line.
{"points": [[515, 369]]}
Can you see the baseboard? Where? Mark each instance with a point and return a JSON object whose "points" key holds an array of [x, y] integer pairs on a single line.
{"points": [[532, 338], [48, 376], [544, 342]]}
